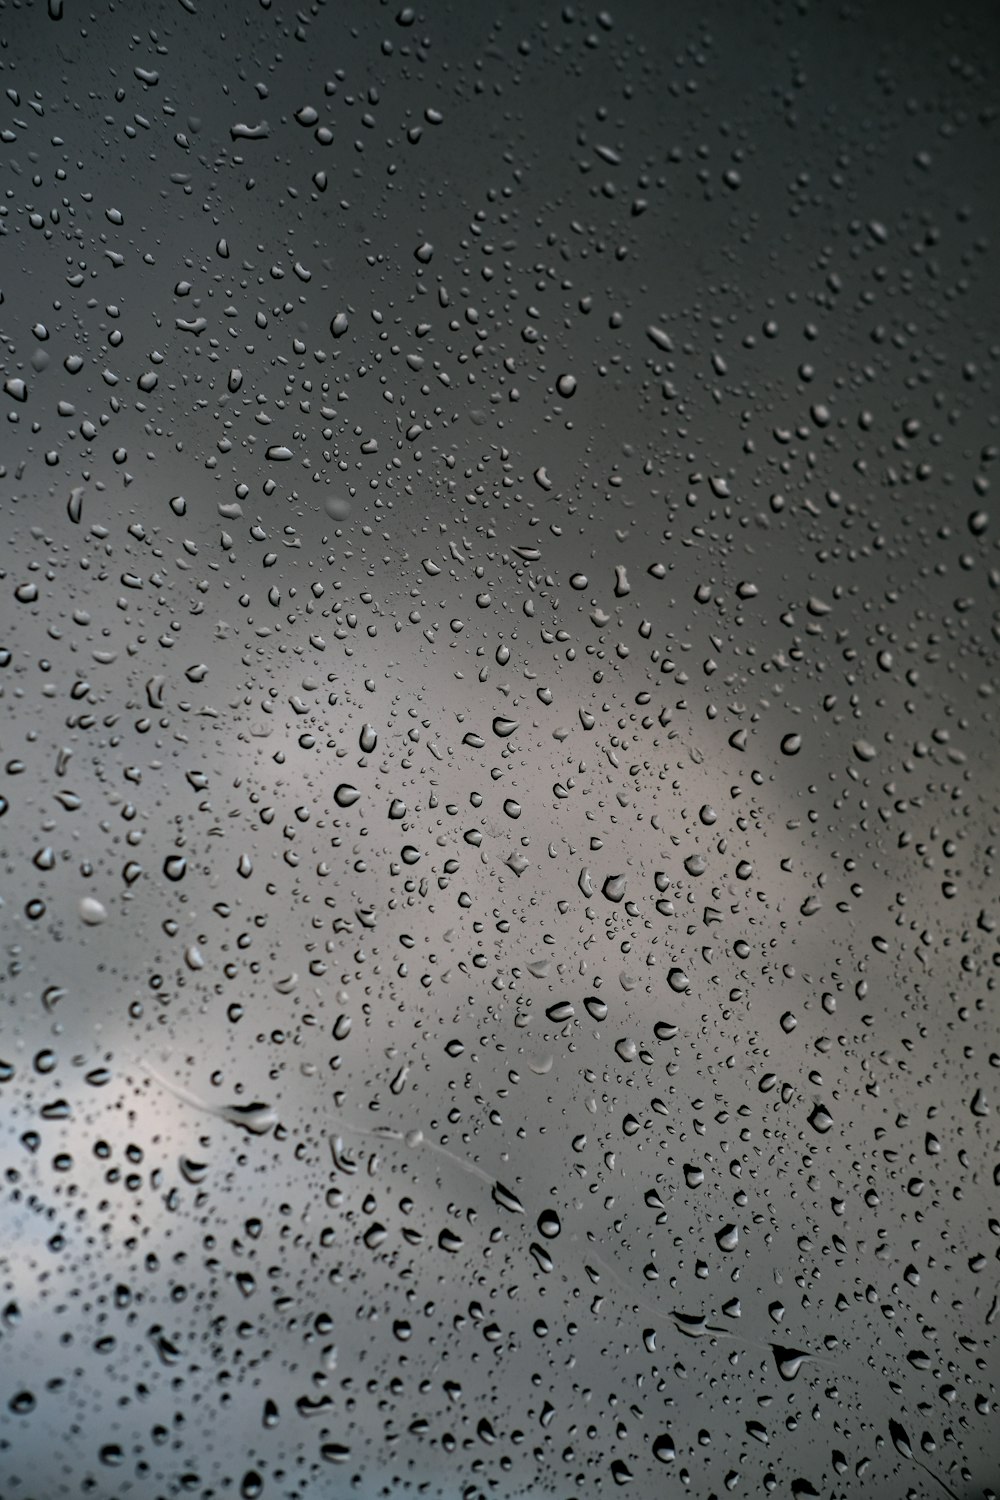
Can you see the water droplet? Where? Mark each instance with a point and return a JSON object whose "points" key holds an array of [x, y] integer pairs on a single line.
{"points": [[92, 912], [506, 1199], [728, 1237], [788, 1361], [549, 1225], [255, 1119], [335, 1453]]}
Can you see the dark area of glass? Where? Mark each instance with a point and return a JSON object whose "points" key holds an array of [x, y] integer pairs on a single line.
{"points": [[500, 813]]}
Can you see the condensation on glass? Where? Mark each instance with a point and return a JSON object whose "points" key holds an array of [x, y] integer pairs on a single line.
{"points": [[500, 817]]}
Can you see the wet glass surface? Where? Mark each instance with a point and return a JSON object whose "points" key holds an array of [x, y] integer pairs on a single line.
{"points": [[499, 788]]}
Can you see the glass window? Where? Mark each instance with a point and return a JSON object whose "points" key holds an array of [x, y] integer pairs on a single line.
{"points": [[500, 815]]}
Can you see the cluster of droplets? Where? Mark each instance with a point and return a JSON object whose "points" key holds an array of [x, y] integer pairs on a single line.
{"points": [[499, 803]]}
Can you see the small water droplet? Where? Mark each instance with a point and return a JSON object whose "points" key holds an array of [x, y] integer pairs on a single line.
{"points": [[728, 1237], [92, 912], [549, 1224]]}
